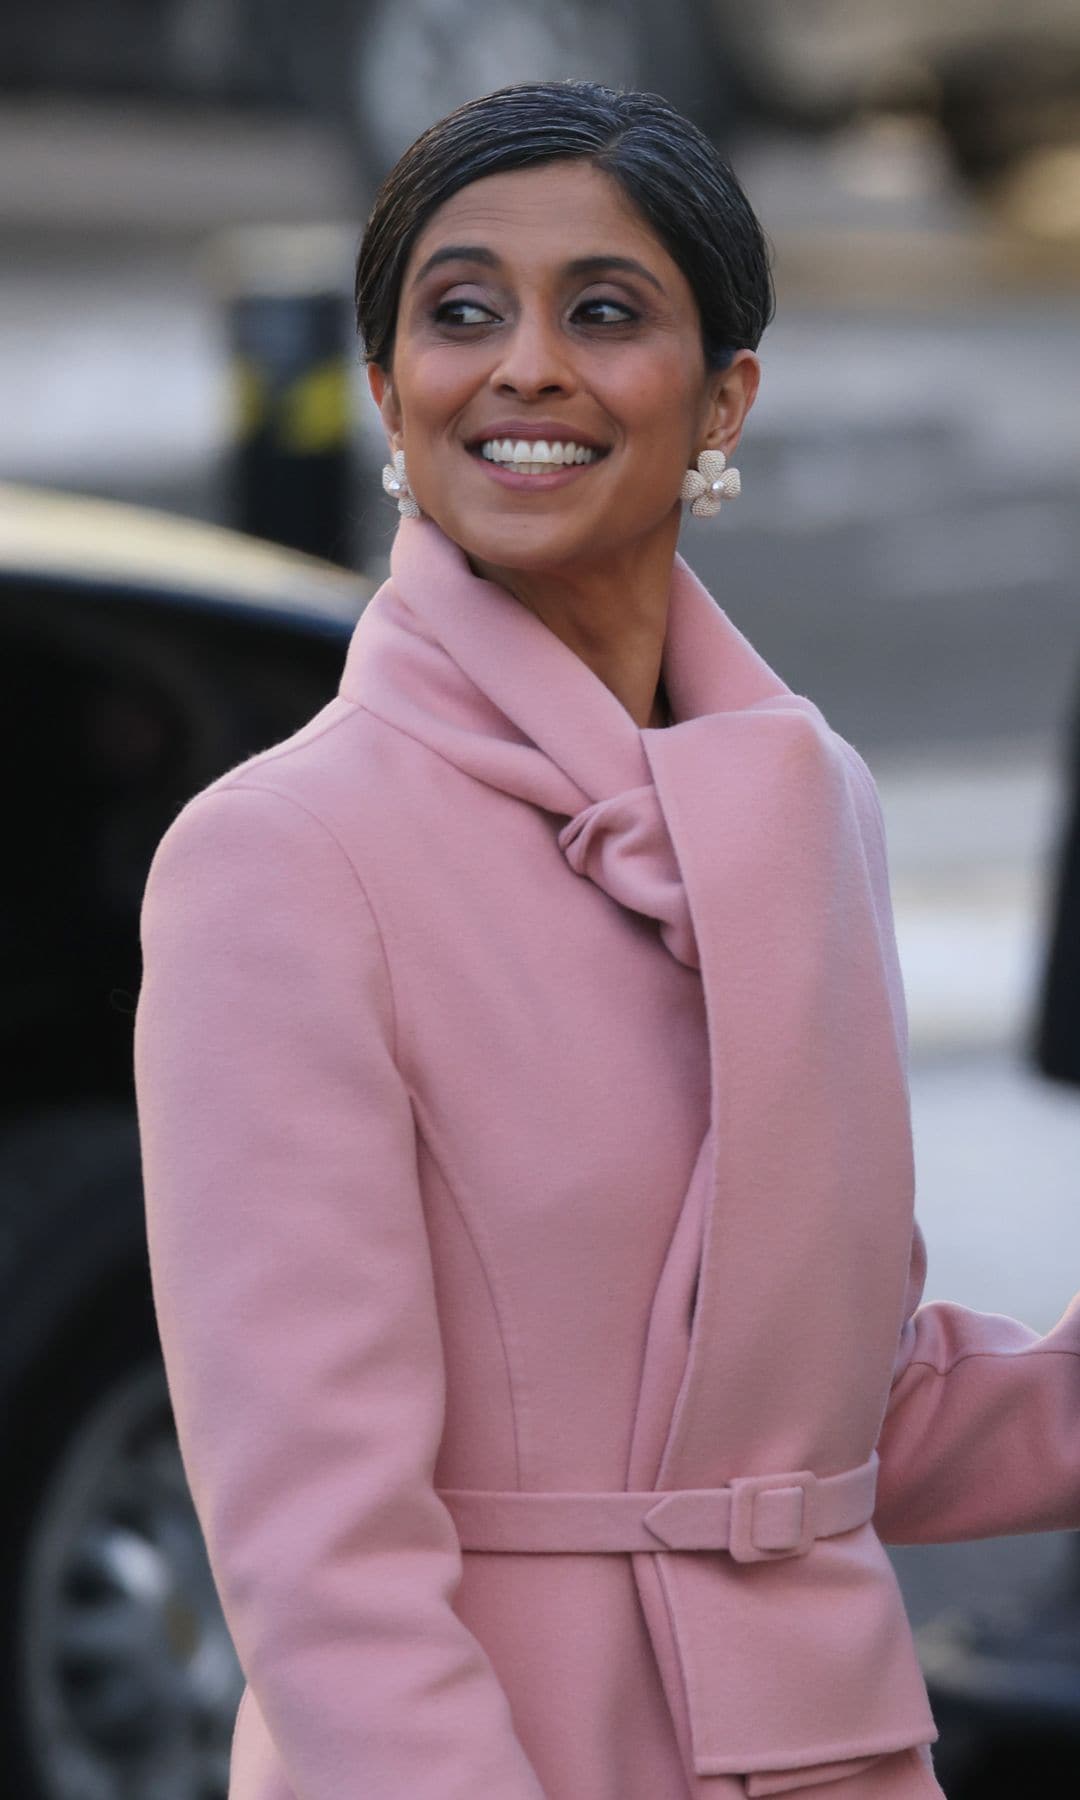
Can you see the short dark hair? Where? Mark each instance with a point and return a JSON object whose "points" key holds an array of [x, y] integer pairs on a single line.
{"points": [[667, 168]]}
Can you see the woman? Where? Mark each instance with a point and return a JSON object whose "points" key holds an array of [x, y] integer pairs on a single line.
{"points": [[521, 1066]]}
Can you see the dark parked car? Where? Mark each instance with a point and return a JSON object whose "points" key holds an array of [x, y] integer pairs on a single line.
{"points": [[140, 657]]}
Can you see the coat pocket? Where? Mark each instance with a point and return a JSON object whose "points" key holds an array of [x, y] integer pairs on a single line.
{"points": [[798, 1671], [788, 1781], [899, 1775]]}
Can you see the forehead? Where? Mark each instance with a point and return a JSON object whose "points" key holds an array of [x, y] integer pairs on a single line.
{"points": [[545, 216]]}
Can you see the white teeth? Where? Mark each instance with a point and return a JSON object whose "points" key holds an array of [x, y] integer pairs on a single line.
{"points": [[535, 456]]}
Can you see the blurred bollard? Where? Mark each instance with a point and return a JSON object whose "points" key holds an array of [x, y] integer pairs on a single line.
{"points": [[291, 345], [1057, 1027]]}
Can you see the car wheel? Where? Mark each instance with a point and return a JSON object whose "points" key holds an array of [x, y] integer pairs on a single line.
{"points": [[117, 1667], [126, 1678]]}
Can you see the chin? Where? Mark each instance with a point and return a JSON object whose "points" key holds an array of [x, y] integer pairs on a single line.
{"points": [[526, 544]]}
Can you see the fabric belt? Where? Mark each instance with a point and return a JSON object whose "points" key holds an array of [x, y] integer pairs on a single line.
{"points": [[755, 1518]]}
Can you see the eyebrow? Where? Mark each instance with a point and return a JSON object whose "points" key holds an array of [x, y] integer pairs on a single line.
{"points": [[581, 265]]}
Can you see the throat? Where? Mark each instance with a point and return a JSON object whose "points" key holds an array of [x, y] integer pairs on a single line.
{"points": [[661, 710]]}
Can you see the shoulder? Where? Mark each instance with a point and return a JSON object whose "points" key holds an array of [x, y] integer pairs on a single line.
{"points": [[251, 900], [331, 784], [268, 836], [248, 861], [324, 754]]}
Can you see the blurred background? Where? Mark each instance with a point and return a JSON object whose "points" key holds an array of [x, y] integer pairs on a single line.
{"points": [[182, 188]]}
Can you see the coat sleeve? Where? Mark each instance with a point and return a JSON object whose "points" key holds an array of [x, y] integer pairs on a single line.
{"points": [[981, 1436], [294, 1295]]}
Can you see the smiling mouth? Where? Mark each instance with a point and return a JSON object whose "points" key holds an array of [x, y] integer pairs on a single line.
{"points": [[541, 456]]}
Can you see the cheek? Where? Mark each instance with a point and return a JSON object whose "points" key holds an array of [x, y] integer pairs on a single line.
{"points": [[655, 397], [435, 386]]}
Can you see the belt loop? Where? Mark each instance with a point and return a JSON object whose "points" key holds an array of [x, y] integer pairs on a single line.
{"points": [[771, 1519]]}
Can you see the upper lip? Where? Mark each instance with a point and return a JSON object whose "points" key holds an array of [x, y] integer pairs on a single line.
{"points": [[533, 430]]}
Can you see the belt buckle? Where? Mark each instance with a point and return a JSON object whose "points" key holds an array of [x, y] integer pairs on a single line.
{"points": [[782, 1527]]}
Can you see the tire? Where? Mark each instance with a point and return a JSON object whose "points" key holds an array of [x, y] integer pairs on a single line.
{"points": [[120, 1674]]}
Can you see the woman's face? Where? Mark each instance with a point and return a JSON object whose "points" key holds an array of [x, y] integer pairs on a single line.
{"points": [[538, 305]]}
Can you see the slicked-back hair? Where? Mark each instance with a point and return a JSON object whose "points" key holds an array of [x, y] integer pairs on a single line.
{"points": [[665, 166]]}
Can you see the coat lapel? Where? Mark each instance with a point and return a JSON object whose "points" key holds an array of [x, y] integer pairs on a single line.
{"points": [[805, 1200], [807, 1219]]}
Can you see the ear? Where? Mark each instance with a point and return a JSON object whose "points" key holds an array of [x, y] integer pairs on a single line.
{"points": [[731, 394], [385, 398]]}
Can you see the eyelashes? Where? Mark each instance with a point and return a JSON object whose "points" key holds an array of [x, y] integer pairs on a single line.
{"points": [[442, 313], [629, 316]]}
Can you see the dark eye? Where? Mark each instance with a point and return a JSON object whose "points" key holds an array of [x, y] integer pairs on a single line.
{"points": [[448, 313], [624, 313]]}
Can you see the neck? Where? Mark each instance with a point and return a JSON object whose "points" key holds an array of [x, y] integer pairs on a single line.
{"points": [[612, 613]]}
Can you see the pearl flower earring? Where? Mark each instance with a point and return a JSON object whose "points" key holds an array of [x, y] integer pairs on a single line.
{"points": [[396, 483], [709, 484]]}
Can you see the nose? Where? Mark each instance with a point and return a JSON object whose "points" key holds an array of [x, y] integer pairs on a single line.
{"points": [[533, 359]]}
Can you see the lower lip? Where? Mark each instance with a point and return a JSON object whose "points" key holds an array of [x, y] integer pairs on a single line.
{"points": [[513, 478]]}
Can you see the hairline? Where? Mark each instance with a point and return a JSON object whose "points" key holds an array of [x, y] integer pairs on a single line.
{"points": [[604, 156]]}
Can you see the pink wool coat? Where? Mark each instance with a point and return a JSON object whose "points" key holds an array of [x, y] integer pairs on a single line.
{"points": [[528, 1172]]}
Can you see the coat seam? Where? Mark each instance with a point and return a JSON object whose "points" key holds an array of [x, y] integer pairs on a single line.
{"points": [[490, 1286], [392, 725], [280, 752]]}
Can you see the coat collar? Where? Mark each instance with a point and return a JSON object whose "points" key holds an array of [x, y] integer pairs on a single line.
{"points": [[479, 638], [459, 663]]}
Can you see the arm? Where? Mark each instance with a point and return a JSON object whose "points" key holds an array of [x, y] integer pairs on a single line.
{"points": [[981, 1436], [982, 1432], [295, 1302]]}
